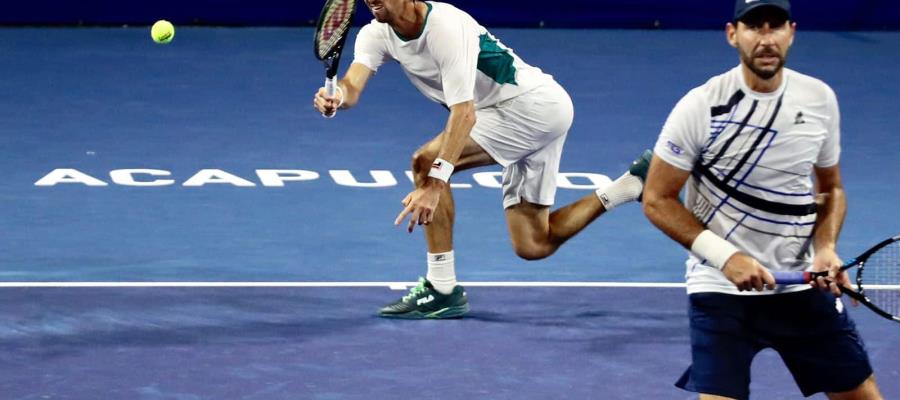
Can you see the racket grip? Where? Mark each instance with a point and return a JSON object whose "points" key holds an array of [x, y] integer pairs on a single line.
{"points": [[330, 84], [791, 277]]}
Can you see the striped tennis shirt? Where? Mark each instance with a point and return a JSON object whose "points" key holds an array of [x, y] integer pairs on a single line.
{"points": [[751, 157]]}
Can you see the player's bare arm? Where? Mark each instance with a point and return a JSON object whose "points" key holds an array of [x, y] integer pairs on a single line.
{"points": [[661, 205], [829, 220], [421, 202], [663, 209], [351, 87], [459, 125]]}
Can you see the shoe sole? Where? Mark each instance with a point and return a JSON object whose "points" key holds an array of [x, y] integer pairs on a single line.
{"points": [[444, 313]]}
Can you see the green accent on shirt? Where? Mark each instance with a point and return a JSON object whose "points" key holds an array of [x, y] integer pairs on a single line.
{"points": [[418, 35], [495, 61]]}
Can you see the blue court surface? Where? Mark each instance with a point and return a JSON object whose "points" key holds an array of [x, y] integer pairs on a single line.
{"points": [[247, 255]]}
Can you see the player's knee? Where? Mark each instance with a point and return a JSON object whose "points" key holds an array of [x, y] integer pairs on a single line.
{"points": [[532, 251], [421, 164], [868, 389], [421, 161]]}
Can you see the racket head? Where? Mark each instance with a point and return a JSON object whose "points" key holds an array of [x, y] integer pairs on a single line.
{"points": [[881, 249], [332, 28], [878, 277]]}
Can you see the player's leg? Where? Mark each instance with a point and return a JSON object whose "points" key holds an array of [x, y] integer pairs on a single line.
{"points": [[526, 136], [530, 186], [537, 233], [722, 347], [868, 390], [825, 355], [438, 296], [439, 233]]}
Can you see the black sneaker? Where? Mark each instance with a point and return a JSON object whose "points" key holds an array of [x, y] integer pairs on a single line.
{"points": [[423, 302]]}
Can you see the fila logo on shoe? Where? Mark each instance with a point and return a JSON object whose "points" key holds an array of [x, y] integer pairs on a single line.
{"points": [[425, 300]]}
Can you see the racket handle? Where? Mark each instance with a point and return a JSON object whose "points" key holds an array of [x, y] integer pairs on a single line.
{"points": [[330, 84], [791, 277]]}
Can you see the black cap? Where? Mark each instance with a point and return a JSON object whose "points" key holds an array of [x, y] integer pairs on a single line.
{"points": [[742, 7]]}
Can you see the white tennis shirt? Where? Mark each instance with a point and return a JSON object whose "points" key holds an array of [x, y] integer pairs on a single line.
{"points": [[453, 60], [751, 157]]}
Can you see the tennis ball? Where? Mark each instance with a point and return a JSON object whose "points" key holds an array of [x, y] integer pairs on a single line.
{"points": [[162, 32]]}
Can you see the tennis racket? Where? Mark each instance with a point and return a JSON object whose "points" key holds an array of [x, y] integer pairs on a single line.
{"points": [[877, 278], [331, 33]]}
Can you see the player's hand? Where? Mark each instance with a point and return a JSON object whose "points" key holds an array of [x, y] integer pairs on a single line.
{"points": [[420, 205], [828, 260], [325, 104], [748, 274]]}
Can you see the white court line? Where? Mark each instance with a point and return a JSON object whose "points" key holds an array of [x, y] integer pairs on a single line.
{"points": [[391, 285]]}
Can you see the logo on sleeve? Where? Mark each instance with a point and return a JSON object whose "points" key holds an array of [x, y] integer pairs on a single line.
{"points": [[674, 148], [799, 118]]}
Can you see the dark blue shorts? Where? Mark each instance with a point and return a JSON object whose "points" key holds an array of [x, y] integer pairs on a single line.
{"points": [[814, 336]]}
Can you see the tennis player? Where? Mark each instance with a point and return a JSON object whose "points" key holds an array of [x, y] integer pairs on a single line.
{"points": [[750, 141], [502, 111]]}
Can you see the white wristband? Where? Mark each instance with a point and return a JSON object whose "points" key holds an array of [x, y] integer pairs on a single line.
{"points": [[715, 250], [441, 169]]}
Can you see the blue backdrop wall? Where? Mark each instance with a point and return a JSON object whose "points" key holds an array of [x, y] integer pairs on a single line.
{"points": [[649, 14]]}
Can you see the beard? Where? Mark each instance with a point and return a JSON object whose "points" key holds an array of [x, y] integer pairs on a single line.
{"points": [[766, 72]]}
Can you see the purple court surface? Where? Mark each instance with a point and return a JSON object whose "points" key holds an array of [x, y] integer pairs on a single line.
{"points": [[240, 244]]}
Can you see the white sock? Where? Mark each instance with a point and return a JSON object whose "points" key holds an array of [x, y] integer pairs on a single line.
{"points": [[441, 272], [622, 190]]}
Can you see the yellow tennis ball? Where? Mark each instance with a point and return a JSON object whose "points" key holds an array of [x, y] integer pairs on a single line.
{"points": [[162, 32]]}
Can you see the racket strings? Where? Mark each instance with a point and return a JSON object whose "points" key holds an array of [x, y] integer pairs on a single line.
{"points": [[335, 26], [881, 278]]}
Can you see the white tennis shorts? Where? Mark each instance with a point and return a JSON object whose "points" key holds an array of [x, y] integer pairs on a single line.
{"points": [[525, 135]]}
